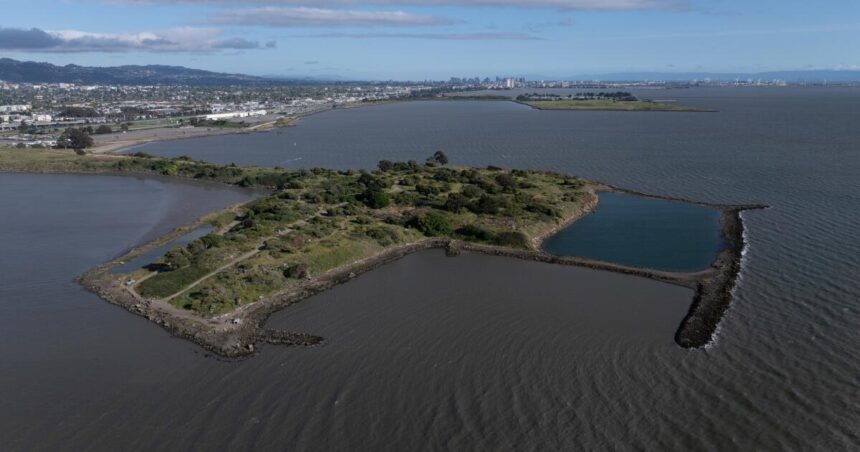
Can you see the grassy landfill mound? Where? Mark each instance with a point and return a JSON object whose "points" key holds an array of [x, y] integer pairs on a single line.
{"points": [[321, 219]]}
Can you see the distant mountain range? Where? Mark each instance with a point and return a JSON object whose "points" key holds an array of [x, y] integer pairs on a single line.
{"points": [[33, 72], [816, 76]]}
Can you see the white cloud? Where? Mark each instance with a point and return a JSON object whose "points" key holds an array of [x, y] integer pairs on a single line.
{"points": [[604, 5], [185, 39], [318, 17], [435, 36]]}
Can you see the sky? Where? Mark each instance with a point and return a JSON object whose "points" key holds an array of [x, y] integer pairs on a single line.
{"points": [[437, 39]]}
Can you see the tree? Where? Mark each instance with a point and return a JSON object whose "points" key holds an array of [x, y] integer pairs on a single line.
{"points": [[74, 139], [23, 127], [103, 129], [385, 165], [124, 127], [439, 157]]}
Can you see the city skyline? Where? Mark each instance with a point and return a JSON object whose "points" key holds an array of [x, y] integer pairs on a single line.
{"points": [[430, 39]]}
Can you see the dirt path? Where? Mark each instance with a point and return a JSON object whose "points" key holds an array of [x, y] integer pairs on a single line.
{"points": [[233, 262], [227, 265]]}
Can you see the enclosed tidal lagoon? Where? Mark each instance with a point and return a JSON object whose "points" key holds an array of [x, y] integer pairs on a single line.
{"points": [[644, 232], [323, 227]]}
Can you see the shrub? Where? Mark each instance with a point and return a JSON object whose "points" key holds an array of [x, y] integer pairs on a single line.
{"points": [[177, 258], [166, 168], [445, 175], [474, 232], [471, 191], [487, 204], [507, 182], [431, 224], [512, 239], [406, 198], [428, 189], [574, 182], [297, 271], [384, 235], [456, 202], [375, 198], [212, 240], [544, 210]]}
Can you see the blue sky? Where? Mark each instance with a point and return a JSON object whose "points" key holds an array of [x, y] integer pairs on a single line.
{"points": [[418, 39]]}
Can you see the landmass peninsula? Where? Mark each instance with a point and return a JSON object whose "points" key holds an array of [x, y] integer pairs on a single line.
{"points": [[612, 101], [320, 227]]}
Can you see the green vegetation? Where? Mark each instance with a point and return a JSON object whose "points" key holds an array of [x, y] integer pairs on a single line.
{"points": [[609, 104], [72, 138], [317, 220], [56, 161], [320, 220]]}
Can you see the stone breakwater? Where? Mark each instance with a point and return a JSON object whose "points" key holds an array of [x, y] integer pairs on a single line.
{"points": [[714, 290], [715, 285]]}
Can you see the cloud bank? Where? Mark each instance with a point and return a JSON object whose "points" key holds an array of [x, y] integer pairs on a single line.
{"points": [[598, 5], [318, 17], [435, 36], [187, 39]]}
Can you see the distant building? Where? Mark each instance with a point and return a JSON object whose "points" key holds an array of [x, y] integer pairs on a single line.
{"points": [[235, 114], [14, 108]]}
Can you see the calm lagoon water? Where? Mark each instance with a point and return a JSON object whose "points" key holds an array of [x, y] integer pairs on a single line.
{"points": [[153, 255], [470, 353], [643, 232]]}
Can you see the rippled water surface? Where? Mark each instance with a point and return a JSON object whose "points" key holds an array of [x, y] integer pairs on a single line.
{"points": [[476, 353]]}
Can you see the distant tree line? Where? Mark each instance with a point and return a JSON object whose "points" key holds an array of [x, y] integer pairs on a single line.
{"points": [[609, 95]]}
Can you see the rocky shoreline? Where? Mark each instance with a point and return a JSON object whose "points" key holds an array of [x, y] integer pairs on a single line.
{"points": [[715, 285], [714, 291]]}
